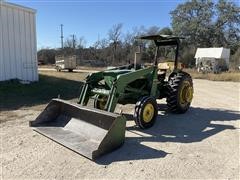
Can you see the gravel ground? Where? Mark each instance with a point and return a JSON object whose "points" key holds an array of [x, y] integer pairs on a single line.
{"points": [[202, 143]]}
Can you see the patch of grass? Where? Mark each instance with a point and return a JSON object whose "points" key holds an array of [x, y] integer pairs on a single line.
{"points": [[14, 95], [224, 76]]}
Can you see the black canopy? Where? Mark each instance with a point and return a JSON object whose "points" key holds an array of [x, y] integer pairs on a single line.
{"points": [[162, 40]]}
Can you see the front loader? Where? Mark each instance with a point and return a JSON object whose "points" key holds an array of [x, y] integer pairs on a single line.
{"points": [[93, 132]]}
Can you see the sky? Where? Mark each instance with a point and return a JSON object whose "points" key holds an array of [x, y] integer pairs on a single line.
{"points": [[92, 19]]}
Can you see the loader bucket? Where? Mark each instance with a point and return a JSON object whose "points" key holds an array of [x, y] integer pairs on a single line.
{"points": [[89, 132]]}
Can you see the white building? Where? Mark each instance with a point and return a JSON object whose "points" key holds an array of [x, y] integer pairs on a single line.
{"points": [[18, 46], [212, 59]]}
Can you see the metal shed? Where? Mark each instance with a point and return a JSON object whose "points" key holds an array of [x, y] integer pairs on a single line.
{"points": [[212, 59], [18, 46]]}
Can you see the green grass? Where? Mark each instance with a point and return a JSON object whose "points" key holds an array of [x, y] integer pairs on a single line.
{"points": [[14, 95]]}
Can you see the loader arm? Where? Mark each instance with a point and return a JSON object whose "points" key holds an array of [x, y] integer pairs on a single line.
{"points": [[123, 80], [91, 81], [118, 85]]}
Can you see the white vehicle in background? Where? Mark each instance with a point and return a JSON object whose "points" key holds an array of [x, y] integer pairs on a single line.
{"points": [[65, 63]]}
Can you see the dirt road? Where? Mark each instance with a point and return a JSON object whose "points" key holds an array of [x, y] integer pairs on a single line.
{"points": [[203, 143]]}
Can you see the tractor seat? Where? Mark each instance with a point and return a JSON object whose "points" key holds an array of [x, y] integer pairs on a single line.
{"points": [[163, 66]]}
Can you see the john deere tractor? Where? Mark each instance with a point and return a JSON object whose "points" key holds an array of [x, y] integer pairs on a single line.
{"points": [[92, 132], [142, 86]]}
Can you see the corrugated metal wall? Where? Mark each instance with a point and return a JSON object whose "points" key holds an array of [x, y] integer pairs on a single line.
{"points": [[18, 51]]}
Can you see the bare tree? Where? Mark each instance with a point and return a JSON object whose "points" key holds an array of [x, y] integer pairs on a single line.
{"points": [[68, 43], [81, 42], [101, 43], [73, 42], [129, 38], [114, 36], [152, 30]]}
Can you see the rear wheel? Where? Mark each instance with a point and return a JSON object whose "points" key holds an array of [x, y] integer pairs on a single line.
{"points": [[180, 92], [146, 112], [100, 102]]}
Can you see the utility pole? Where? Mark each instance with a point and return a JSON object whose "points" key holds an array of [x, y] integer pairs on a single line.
{"points": [[73, 41], [62, 35]]}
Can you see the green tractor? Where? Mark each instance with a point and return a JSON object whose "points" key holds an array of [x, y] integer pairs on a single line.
{"points": [[96, 131]]}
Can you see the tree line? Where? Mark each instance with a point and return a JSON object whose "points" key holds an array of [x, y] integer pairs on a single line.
{"points": [[202, 23]]}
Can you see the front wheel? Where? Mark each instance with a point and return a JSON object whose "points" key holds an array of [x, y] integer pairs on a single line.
{"points": [[146, 112]]}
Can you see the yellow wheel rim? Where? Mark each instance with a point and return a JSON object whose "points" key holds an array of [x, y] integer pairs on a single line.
{"points": [[148, 113], [186, 93]]}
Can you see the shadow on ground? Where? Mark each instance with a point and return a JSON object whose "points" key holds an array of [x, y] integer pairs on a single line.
{"points": [[14, 95], [194, 126]]}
